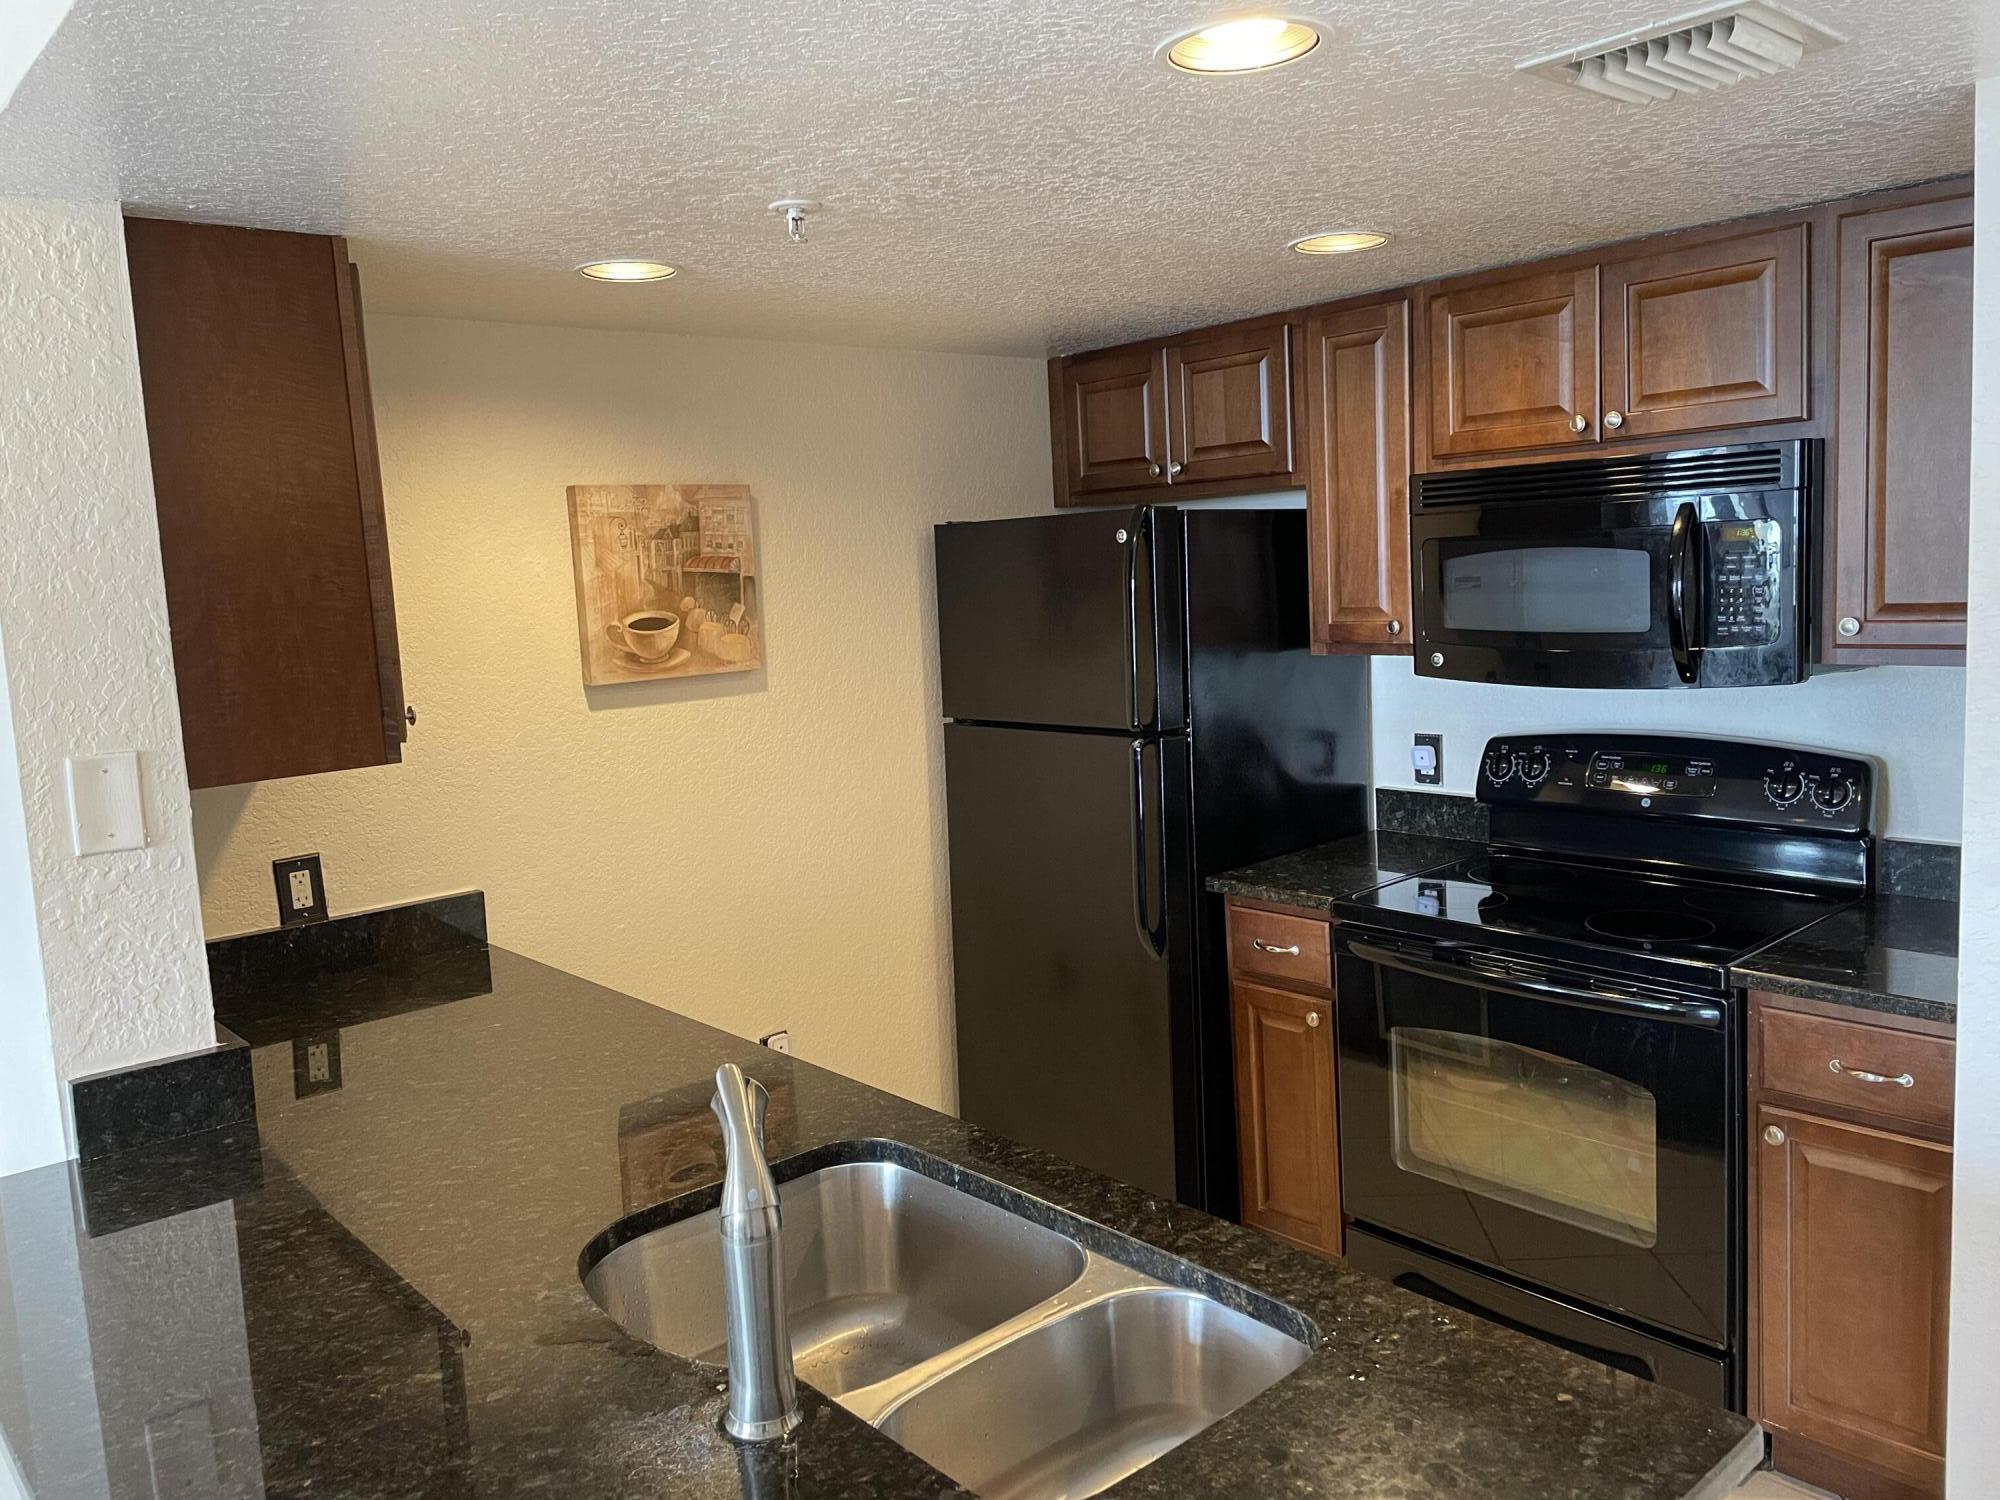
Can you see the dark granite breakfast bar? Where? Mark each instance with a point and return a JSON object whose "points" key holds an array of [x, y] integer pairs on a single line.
{"points": [[373, 1290]]}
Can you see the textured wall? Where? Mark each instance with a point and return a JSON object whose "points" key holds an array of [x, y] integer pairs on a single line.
{"points": [[1909, 717], [1974, 1456], [758, 851], [84, 618]]}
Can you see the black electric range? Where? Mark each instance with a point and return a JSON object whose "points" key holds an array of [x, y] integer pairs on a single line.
{"points": [[1541, 1059], [1676, 927]]}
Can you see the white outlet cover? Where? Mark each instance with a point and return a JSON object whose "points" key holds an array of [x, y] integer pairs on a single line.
{"points": [[104, 809]]}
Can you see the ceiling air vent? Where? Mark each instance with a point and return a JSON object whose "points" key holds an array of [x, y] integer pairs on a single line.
{"points": [[1696, 53]]}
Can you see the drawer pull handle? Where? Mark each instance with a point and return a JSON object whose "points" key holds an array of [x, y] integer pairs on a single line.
{"points": [[1263, 947], [1861, 1075], [1312, 1018]]}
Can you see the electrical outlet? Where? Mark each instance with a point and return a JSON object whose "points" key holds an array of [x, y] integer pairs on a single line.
{"points": [[315, 1064], [1427, 759], [301, 889], [777, 1041]]}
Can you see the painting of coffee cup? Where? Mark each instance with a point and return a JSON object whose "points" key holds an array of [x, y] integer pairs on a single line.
{"points": [[648, 634], [666, 581]]}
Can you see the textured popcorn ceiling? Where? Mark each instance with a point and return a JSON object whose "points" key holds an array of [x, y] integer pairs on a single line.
{"points": [[1005, 175]]}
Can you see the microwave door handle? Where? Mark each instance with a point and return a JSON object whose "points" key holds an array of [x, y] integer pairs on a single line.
{"points": [[1680, 548], [1680, 1012]]}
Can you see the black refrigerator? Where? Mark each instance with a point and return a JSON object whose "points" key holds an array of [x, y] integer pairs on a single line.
{"points": [[1131, 704]]}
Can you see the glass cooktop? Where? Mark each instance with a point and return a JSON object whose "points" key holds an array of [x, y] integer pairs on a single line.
{"points": [[1631, 920]]}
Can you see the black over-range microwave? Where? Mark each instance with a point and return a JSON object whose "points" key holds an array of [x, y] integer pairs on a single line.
{"points": [[1687, 569]]}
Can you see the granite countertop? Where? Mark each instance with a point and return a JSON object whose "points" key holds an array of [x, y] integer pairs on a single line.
{"points": [[373, 1290], [1316, 878], [1889, 954], [1893, 955]]}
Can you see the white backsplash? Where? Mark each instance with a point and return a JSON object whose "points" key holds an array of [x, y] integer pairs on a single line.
{"points": [[1911, 719]]}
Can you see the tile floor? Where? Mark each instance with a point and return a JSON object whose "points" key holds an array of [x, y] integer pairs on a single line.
{"points": [[1769, 1486]]}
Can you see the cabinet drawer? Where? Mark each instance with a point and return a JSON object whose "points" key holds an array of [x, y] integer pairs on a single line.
{"points": [[1274, 945], [1873, 1068]]}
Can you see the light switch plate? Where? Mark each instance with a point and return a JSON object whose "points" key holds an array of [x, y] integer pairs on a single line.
{"points": [[104, 809]]}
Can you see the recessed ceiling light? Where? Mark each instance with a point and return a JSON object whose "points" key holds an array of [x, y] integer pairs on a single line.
{"points": [[627, 270], [1339, 242], [1247, 44]]}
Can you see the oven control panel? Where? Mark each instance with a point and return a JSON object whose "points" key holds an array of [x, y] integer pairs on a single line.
{"points": [[1731, 780]]}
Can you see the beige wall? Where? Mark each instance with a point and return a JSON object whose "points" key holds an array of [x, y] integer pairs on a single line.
{"points": [[756, 851]]}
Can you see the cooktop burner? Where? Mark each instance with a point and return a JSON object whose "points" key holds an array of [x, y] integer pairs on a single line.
{"points": [[1649, 926], [1626, 916]]}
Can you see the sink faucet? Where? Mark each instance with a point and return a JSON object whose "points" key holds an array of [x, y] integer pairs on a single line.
{"points": [[763, 1391]]}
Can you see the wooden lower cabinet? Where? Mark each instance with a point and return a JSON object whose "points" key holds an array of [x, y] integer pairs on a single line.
{"points": [[1285, 1115], [1850, 1251]]}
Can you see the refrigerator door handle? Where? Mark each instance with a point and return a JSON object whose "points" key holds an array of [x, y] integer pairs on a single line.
{"points": [[1147, 520], [1130, 537], [1151, 932]]}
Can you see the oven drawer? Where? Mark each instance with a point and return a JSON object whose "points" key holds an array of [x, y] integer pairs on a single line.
{"points": [[1277, 946], [1855, 1066]]}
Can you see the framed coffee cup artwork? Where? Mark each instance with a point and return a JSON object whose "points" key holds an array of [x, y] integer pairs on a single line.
{"points": [[666, 580]]}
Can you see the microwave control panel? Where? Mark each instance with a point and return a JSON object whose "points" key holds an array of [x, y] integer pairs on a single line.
{"points": [[1745, 576], [1731, 780]]}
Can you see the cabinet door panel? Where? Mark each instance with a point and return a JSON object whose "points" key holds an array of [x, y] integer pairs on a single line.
{"points": [[271, 536], [1285, 1116], [1115, 411], [1853, 1239], [1230, 413], [1903, 478], [1710, 336], [1357, 476], [1513, 364]]}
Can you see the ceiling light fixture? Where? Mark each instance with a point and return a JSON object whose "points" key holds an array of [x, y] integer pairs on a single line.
{"points": [[626, 270], [1246, 44], [1339, 242]]}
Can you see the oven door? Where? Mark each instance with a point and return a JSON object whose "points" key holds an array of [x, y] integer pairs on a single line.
{"points": [[1663, 591], [1564, 1131]]}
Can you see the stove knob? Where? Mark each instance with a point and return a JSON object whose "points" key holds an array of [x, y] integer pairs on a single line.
{"points": [[1832, 796], [1499, 765], [1784, 787], [1535, 766]]}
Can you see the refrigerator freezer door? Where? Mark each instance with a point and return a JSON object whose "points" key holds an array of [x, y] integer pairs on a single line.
{"points": [[1074, 1034], [1062, 620]]}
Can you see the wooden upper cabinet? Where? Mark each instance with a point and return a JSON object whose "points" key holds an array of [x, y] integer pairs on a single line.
{"points": [[1902, 479], [1853, 1244], [1230, 405], [272, 537], [1113, 419], [1710, 335], [1357, 381], [1513, 363], [1285, 1115]]}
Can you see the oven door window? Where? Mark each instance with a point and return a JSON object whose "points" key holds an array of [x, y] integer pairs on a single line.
{"points": [[1517, 1125], [1485, 590]]}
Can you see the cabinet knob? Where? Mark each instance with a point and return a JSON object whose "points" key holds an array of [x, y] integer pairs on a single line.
{"points": [[1153, 471], [1579, 423], [1613, 420], [1312, 1018], [1174, 468], [1773, 1135], [1848, 625], [1394, 627]]}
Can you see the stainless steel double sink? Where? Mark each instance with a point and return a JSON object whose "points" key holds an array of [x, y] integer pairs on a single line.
{"points": [[1000, 1351]]}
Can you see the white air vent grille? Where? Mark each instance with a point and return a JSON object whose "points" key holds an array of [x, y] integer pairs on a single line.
{"points": [[1693, 54]]}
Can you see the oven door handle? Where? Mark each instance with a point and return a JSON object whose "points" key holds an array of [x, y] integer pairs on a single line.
{"points": [[1681, 591], [1679, 1012]]}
